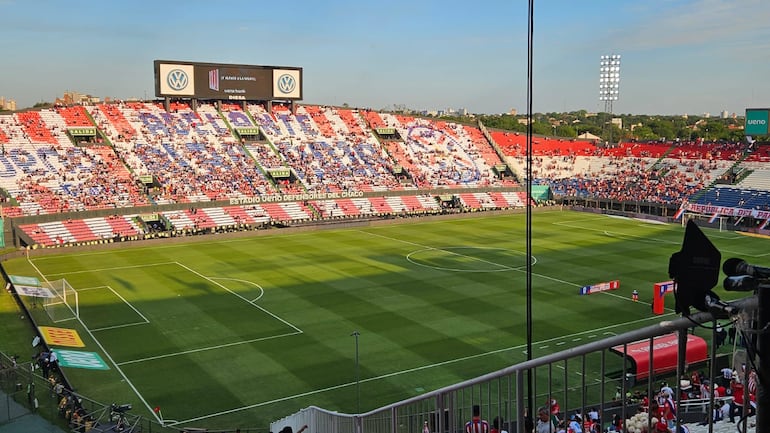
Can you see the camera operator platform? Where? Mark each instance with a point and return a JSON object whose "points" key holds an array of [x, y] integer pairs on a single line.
{"points": [[695, 270]]}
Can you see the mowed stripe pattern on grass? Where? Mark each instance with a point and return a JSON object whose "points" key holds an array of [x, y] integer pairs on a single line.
{"points": [[242, 323]]}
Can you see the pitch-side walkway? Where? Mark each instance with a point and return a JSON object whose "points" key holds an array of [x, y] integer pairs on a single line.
{"points": [[21, 420]]}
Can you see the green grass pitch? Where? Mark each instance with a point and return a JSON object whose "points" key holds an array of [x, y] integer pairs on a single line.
{"points": [[238, 332]]}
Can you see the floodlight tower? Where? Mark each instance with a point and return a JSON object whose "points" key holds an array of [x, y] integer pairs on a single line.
{"points": [[609, 83], [609, 80]]}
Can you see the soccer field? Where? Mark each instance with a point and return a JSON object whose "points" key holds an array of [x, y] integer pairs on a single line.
{"points": [[238, 332]]}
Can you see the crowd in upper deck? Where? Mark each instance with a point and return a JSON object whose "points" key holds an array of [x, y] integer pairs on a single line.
{"points": [[144, 154]]}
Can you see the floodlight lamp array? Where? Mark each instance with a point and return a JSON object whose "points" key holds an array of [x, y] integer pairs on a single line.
{"points": [[609, 77]]}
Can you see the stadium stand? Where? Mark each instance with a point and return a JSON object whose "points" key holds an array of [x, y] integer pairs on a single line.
{"points": [[447, 156], [253, 214], [338, 163], [657, 172], [75, 116], [146, 155], [194, 157], [191, 157]]}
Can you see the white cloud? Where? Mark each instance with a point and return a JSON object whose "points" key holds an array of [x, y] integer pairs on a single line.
{"points": [[697, 23]]}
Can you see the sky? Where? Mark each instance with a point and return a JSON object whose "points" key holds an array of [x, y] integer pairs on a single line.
{"points": [[677, 56]]}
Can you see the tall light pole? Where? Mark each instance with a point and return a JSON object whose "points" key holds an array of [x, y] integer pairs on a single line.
{"points": [[358, 375], [609, 83]]}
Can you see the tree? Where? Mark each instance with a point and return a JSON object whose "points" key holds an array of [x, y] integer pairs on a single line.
{"points": [[644, 132]]}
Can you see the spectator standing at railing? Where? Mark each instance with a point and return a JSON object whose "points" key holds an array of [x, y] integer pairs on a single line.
{"points": [[476, 424], [727, 376], [616, 425], [574, 425], [497, 426], [736, 406], [546, 423]]}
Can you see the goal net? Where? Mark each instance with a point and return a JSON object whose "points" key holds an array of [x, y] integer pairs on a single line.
{"points": [[706, 220], [63, 306]]}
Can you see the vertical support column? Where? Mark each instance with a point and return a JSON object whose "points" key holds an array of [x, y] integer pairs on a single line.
{"points": [[763, 369], [520, 403]]}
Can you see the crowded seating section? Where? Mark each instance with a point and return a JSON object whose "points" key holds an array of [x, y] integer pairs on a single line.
{"points": [[144, 155]]}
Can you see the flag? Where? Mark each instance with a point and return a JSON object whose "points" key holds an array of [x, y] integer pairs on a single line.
{"points": [[752, 382], [681, 210], [157, 409], [714, 217]]}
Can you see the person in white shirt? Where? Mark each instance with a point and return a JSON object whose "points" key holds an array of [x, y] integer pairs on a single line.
{"points": [[575, 424], [725, 409]]}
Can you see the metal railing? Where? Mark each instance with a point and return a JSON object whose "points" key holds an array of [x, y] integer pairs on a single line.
{"points": [[581, 379]]}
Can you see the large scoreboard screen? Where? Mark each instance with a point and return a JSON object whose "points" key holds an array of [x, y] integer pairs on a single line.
{"points": [[223, 81]]}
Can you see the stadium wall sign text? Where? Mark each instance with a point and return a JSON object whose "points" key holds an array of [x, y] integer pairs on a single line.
{"points": [[296, 197], [727, 211]]}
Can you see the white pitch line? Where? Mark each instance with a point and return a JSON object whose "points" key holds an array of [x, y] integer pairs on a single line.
{"points": [[428, 247], [107, 355], [129, 304], [517, 269], [125, 325], [204, 349], [115, 268], [397, 373], [241, 297], [261, 289]]}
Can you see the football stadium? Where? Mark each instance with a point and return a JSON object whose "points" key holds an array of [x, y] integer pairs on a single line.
{"points": [[225, 257], [221, 265]]}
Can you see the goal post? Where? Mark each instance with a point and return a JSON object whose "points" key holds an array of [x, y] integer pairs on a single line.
{"points": [[65, 305], [714, 221]]}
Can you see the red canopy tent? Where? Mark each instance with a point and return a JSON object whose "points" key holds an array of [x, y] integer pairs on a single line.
{"points": [[664, 354]]}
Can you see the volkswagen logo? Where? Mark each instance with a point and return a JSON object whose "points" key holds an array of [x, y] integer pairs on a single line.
{"points": [[286, 83], [177, 79]]}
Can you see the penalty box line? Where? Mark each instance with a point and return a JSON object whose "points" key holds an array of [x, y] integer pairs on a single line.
{"points": [[187, 268], [295, 329], [204, 349], [238, 295], [105, 353], [144, 321]]}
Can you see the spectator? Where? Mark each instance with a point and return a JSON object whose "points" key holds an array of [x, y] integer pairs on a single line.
{"points": [[476, 424], [724, 409], [736, 405], [497, 426], [546, 423], [574, 425], [616, 425]]}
